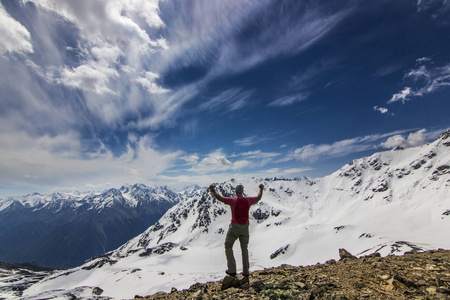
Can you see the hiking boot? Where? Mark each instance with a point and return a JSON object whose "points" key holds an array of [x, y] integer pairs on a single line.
{"points": [[230, 281], [244, 280]]}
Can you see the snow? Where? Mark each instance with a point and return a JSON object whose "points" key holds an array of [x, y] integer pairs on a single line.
{"points": [[127, 195], [391, 202]]}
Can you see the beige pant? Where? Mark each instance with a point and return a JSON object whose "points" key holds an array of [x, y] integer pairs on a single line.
{"points": [[237, 231]]}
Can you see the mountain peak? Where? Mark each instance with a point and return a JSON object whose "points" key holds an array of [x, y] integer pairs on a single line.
{"points": [[445, 135]]}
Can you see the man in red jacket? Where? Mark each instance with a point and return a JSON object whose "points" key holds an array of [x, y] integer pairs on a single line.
{"points": [[238, 229]]}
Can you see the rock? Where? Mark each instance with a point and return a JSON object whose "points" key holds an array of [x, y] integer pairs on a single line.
{"points": [[443, 290], [416, 275], [280, 251], [431, 290], [97, 291], [345, 254], [198, 295], [230, 281]]}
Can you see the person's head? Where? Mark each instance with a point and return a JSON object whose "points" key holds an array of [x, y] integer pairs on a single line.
{"points": [[239, 190]]}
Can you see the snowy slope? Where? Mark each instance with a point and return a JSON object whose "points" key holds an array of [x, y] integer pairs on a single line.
{"points": [[14, 279], [390, 202]]}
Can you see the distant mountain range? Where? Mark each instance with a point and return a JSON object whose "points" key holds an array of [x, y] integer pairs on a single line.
{"points": [[62, 230], [388, 203]]}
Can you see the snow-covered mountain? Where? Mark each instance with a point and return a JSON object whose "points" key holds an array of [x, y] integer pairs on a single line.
{"points": [[62, 230], [390, 202]]}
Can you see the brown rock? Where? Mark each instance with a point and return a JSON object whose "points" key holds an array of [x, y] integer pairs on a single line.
{"points": [[423, 275], [345, 254]]}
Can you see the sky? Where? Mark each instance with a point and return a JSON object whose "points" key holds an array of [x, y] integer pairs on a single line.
{"points": [[95, 94]]}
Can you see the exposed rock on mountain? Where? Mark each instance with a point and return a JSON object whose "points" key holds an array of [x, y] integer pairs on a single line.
{"points": [[411, 276], [14, 278]]}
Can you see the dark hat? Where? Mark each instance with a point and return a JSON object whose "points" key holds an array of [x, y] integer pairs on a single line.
{"points": [[239, 189]]}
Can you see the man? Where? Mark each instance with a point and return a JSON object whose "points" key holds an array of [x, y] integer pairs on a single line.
{"points": [[238, 229]]}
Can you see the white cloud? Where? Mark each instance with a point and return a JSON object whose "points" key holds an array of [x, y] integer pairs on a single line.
{"points": [[382, 110], [427, 80], [14, 36], [58, 162], [258, 154], [148, 82], [93, 76], [109, 21], [166, 107], [419, 73], [228, 100], [247, 141], [217, 162], [313, 152], [289, 36], [401, 96], [191, 160], [114, 56], [289, 100], [440, 6], [258, 158], [414, 139]]}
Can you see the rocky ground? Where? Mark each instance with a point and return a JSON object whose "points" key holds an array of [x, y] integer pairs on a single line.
{"points": [[424, 275]]}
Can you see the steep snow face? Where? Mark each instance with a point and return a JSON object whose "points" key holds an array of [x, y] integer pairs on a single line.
{"points": [[390, 202], [62, 230]]}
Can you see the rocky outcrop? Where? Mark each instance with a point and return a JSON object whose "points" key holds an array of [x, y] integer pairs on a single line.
{"points": [[424, 275]]}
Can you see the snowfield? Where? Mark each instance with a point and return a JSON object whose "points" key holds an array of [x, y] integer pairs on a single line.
{"points": [[391, 202]]}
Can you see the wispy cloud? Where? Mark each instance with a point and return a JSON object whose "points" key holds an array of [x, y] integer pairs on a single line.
{"points": [[248, 141], [312, 153], [439, 6], [401, 96], [229, 100], [258, 158], [426, 80], [289, 100], [258, 154], [118, 50], [14, 36]]}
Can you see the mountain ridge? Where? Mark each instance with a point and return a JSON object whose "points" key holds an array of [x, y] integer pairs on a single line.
{"points": [[391, 202], [61, 230]]}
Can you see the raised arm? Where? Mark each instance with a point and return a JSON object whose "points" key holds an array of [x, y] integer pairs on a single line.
{"points": [[261, 189], [215, 194]]}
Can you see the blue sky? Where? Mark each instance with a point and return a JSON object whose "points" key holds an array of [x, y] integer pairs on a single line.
{"points": [[99, 93]]}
